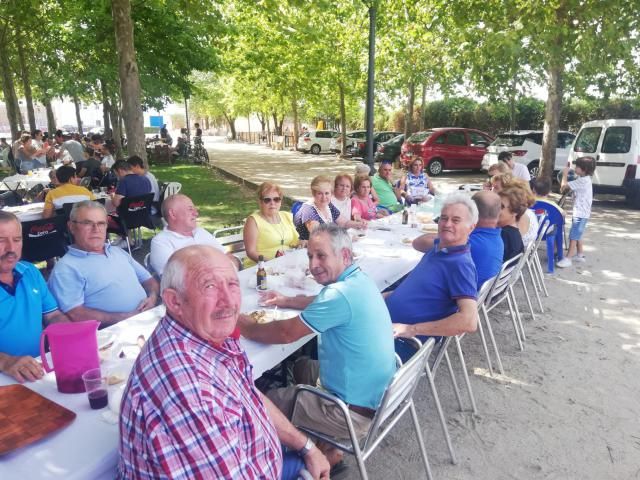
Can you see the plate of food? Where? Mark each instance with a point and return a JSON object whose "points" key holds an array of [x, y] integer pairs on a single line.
{"points": [[264, 316]]}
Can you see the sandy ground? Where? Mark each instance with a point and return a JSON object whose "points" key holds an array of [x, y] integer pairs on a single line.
{"points": [[567, 406]]}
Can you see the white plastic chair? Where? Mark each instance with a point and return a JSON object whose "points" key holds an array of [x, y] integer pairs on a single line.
{"points": [[232, 240], [396, 401], [171, 189]]}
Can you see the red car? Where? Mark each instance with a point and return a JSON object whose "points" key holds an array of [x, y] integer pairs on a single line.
{"points": [[446, 149]]}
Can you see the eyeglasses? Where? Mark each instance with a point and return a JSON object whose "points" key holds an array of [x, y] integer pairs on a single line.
{"points": [[271, 200], [90, 224]]}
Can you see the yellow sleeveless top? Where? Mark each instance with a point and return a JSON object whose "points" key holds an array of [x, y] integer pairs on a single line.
{"points": [[272, 237]]}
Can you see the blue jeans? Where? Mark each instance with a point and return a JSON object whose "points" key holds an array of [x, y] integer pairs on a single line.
{"points": [[577, 228], [291, 465]]}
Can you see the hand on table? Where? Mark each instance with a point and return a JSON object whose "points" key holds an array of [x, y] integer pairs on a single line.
{"points": [[147, 303], [317, 464], [272, 298], [23, 369]]}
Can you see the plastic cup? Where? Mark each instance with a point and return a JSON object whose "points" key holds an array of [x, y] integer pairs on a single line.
{"points": [[263, 296], [96, 387]]}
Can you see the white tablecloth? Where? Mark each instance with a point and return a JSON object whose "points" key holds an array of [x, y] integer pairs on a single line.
{"points": [[33, 211], [38, 177], [88, 447]]}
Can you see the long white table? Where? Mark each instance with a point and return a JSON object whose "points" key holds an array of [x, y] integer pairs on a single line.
{"points": [[33, 211], [88, 447], [37, 177]]}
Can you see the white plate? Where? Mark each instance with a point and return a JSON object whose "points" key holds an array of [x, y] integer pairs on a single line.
{"points": [[105, 337]]}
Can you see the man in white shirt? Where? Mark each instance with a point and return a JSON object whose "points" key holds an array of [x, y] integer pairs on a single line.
{"points": [[182, 230], [517, 169]]}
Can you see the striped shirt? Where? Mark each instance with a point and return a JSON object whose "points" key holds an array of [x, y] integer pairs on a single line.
{"points": [[190, 411]]}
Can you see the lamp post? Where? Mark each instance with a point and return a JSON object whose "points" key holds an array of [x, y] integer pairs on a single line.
{"points": [[370, 84]]}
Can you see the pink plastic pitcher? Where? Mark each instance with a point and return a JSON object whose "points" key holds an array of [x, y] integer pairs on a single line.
{"points": [[74, 350]]}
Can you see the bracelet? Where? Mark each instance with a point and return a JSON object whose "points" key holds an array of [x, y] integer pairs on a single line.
{"points": [[307, 448]]}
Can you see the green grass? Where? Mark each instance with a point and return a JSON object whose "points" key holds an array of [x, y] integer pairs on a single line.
{"points": [[221, 202]]}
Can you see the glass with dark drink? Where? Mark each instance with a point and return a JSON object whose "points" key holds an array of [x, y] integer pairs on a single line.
{"points": [[96, 386]]}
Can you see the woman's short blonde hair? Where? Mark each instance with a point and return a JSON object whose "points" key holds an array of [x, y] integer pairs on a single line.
{"points": [[519, 199], [507, 180], [319, 180], [359, 180], [342, 176], [267, 187], [498, 168]]}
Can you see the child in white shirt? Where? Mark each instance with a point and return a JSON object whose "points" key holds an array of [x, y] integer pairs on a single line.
{"points": [[583, 197]]}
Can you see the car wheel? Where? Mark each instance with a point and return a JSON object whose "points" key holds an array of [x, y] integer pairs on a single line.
{"points": [[534, 168], [315, 149], [435, 167], [633, 195]]}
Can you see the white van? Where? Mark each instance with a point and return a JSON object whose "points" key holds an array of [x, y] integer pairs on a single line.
{"points": [[615, 144]]}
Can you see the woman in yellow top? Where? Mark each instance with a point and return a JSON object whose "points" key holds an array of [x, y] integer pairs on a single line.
{"points": [[269, 231]]}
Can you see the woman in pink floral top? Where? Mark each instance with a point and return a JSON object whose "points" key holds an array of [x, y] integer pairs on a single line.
{"points": [[362, 206]]}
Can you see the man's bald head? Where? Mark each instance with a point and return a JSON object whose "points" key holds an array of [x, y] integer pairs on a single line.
{"points": [[180, 214], [488, 204]]}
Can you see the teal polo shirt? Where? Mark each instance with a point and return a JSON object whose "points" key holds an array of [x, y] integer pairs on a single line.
{"points": [[21, 310], [355, 345]]}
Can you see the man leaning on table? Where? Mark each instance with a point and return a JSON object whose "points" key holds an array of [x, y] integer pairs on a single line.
{"points": [[95, 280], [67, 191], [356, 359], [382, 182], [190, 408], [438, 297], [25, 301]]}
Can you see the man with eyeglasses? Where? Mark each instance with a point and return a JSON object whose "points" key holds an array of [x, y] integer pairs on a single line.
{"points": [[95, 280], [181, 231]]}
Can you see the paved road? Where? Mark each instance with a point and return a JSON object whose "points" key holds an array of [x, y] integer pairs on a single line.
{"points": [[293, 171]]}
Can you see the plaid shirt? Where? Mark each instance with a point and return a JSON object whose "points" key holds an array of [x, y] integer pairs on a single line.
{"points": [[191, 411]]}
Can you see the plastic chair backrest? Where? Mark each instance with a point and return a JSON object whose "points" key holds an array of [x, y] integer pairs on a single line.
{"points": [[134, 212], [503, 278], [400, 390], [171, 189], [295, 207], [43, 239], [554, 213]]}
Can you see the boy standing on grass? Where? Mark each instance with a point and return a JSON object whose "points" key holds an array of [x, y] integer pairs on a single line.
{"points": [[583, 191]]}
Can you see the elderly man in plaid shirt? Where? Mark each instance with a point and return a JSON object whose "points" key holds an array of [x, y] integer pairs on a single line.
{"points": [[190, 409]]}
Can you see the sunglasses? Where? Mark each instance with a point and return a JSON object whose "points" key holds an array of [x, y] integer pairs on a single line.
{"points": [[271, 200]]}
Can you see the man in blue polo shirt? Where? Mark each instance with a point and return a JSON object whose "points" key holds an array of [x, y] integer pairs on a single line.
{"points": [[95, 280], [355, 347], [24, 301], [438, 298]]}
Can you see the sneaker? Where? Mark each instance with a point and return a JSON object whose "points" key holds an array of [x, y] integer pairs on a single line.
{"points": [[564, 263], [579, 258]]}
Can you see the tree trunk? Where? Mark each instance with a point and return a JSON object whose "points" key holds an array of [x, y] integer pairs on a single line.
{"points": [[408, 117], [423, 110], [51, 118], [186, 115], [343, 120], [129, 79], [76, 104], [8, 88], [114, 114], [20, 119], [294, 106], [105, 109], [26, 83], [206, 122], [232, 125], [551, 119], [277, 126]]}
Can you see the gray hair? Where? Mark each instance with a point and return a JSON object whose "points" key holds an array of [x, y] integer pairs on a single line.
{"points": [[339, 237], [6, 217], [462, 199], [174, 273], [85, 204]]}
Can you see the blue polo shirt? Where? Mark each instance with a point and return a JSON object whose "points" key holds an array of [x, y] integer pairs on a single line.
{"points": [[108, 281], [133, 185], [21, 310], [355, 346], [487, 249]]}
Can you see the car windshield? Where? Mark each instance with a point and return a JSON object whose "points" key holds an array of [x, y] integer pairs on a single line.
{"points": [[397, 139], [509, 140], [587, 140], [419, 137]]}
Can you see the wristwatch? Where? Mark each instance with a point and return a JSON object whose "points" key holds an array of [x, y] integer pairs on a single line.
{"points": [[307, 448]]}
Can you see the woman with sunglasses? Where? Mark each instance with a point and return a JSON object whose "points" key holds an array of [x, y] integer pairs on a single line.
{"points": [[320, 210], [415, 185], [269, 231]]}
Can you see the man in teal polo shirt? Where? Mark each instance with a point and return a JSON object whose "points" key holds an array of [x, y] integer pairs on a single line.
{"points": [[382, 182], [24, 301], [355, 348]]}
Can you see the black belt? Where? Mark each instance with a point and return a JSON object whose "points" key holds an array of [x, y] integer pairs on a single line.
{"points": [[364, 411]]}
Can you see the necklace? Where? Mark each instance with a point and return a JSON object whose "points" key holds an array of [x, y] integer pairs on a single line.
{"points": [[280, 231]]}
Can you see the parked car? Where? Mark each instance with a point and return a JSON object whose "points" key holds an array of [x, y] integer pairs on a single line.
{"points": [[352, 137], [389, 151], [316, 142], [526, 148], [615, 145], [360, 147], [446, 149]]}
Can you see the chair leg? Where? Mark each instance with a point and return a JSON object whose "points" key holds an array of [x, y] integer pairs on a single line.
{"points": [[518, 315], [538, 269], [454, 382], [465, 374], [492, 338], [537, 288], [514, 321], [551, 255], [443, 422], [423, 450], [484, 345], [525, 289]]}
